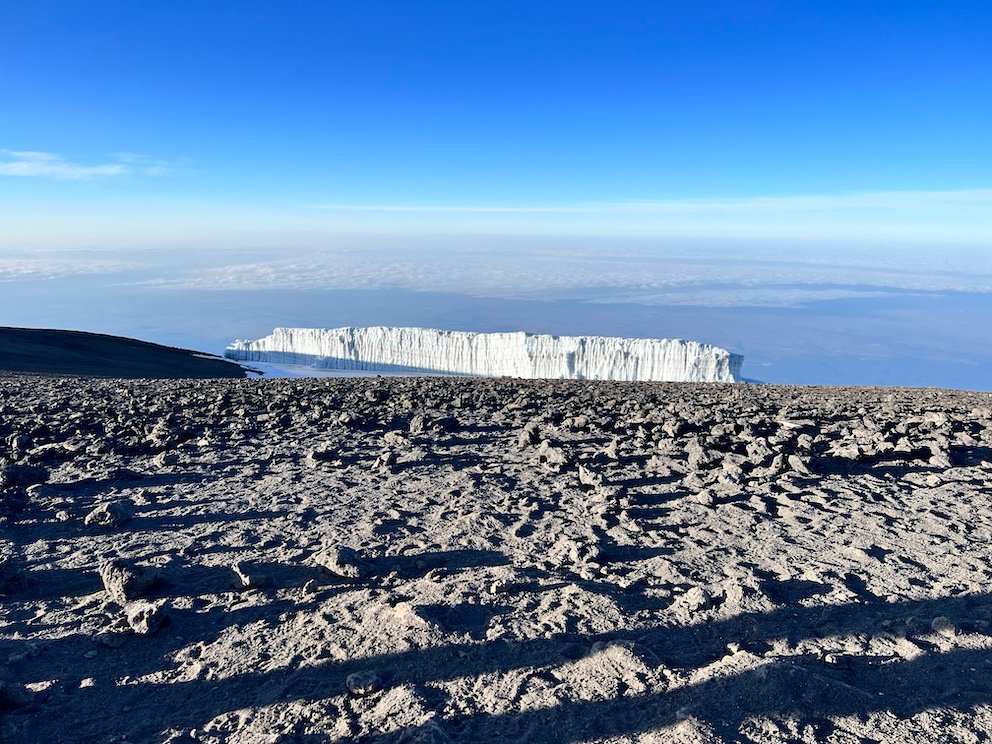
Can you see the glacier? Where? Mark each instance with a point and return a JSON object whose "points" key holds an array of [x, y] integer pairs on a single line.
{"points": [[515, 354]]}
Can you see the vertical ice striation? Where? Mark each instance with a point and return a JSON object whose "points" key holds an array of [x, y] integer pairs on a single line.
{"points": [[516, 354]]}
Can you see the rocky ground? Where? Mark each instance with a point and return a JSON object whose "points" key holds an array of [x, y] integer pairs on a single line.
{"points": [[433, 560]]}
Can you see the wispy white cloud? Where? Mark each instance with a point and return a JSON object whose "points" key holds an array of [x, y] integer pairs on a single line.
{"points": [[875, 200], [16, 269], [34, 164]]}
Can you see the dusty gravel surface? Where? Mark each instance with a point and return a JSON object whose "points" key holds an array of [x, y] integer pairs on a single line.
{"points": [[439, 559]]}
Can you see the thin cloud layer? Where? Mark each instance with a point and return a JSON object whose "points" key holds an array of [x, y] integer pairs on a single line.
{"points": [[35, 164], [880, 200], [655, 277]]}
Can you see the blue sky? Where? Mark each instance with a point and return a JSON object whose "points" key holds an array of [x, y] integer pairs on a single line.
{"points": [[124, 121]]}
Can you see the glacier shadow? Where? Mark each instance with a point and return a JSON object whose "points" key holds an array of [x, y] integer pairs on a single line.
{"points": [[318, 362]]}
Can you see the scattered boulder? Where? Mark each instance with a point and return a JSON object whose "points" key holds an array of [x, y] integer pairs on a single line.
{"points": [[145, 618], [343, 562], [385, 462], [944, 626], [798, 465], [109, 515], [245, 578], [698, 457], [419, 424], [697, 599], [588, 478], [553, 458], [612, 450], [530, 434], [363, 682], [319, 455], [124, 582], [395, 439]]}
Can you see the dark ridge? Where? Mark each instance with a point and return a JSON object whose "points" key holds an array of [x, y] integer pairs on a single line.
{"points": [[78, 353]]}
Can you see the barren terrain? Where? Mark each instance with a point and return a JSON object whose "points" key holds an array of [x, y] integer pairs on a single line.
{"points": [[58, 352], [444, 559]]}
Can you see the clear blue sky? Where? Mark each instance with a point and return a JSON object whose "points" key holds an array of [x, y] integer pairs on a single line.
{"points": [[273, 114]]}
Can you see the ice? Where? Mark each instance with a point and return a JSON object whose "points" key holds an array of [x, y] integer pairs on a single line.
{"points": [[517, 354]]}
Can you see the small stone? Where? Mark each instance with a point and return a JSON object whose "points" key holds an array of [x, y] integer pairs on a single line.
{"points": [[110, 639], [362, 683], [798, 465], [612, 450], [62, 516], [124, 582], [109, 515], [553, 458], [311, 587], [343, 562], [165, 459], [589, 478], [697, 599], [706, 497], [145, 618], [318, 455], [529, 435], [418, 424], [844, 661], [87, 682], [385, 462], [91, 654], [395, 439], [244, 579], [944, 626]]}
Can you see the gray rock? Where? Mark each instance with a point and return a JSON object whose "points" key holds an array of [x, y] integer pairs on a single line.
{"points": [[124, 582], [110, 639], [419, 424], [697, 599], [145, 618], [343, 562], [698, 457], [385, 462], [798, 465], [612, 450], [395, 439], [944, 625], [529, 435], [245, 578], [553, 458], [362, 683], [319, 455], [109, 515], [589, 478]]}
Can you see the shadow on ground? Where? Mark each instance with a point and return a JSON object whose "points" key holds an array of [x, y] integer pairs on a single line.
{"points": [[961, 678]]}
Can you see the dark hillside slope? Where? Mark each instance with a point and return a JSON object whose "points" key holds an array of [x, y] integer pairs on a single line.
{"points": [[55, 352]]}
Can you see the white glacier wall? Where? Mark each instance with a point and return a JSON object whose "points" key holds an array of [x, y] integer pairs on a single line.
{"points": [[516, 354]]}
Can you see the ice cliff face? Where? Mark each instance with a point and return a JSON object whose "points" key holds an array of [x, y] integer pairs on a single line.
{"points": [[517, 354]]}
